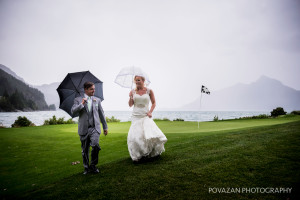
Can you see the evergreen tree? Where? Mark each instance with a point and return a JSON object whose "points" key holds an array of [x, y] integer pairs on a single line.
{"points": [[19, 95], [31, 104], [5, 105], [5, 94], [17, 100]]}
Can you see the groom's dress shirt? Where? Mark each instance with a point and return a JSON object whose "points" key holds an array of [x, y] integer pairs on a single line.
{"points": [[89, 102]]}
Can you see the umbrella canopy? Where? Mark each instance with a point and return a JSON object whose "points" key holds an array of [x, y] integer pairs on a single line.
{"points": [[72, 87], [127, 74]]}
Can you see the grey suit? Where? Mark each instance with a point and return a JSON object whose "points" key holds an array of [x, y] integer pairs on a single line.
{"points": [[89, 128], [83, 115]]}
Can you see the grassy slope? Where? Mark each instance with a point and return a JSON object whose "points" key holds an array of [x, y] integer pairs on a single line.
{"points": [[219, 154]]}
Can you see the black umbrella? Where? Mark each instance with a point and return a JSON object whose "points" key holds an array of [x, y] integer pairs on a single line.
{"points": [[72, 87]]}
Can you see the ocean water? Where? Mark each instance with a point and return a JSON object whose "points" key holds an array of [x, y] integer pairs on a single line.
{"points": [[38, 117]]}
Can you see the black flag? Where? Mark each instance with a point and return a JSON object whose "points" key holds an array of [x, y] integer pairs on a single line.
{"points": [[205, 90]]}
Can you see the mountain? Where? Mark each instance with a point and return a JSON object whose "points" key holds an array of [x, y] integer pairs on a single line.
{"points": [[264, 94], [49, 90], [9, 71], [17, 95]]}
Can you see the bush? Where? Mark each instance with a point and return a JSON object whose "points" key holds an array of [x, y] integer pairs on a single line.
{"points": [[178, 119], [216, 118], [22, 122], [112, 119], [51, 121], [54, 121], [278, 111], [296, 112], [69, 121], [164, 119], [262, 116]]}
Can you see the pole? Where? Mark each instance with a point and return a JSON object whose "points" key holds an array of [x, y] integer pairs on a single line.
{"points": [[200, 108]]}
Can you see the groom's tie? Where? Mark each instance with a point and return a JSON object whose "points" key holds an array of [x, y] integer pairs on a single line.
{"points": [[89, 103]]}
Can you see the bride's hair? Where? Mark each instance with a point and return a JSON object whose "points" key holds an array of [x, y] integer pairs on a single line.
{"points": [[143, 78]]}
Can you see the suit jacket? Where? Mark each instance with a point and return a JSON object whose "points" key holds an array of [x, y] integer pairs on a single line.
{"points": [[82, 110]]}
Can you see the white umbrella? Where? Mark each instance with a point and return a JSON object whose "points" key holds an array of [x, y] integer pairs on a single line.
{"points": [[125, 78]]}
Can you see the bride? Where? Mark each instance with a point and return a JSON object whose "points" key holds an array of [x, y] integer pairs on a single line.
{"points": [[144, 139]]}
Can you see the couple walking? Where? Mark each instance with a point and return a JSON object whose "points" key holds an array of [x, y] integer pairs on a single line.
{"points": [[144, 139]]}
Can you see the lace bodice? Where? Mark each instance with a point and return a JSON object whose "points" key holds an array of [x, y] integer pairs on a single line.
{"points": [[141, 104]]}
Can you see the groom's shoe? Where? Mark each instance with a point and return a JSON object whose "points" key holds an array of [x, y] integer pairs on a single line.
{"points": [[86, 171], [94, 169]]}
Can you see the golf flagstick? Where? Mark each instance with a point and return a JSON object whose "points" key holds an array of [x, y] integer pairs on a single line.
{"points": [[199, 109]]}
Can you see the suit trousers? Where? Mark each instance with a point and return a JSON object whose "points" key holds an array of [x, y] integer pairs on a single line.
{"points": [[90, 139]]}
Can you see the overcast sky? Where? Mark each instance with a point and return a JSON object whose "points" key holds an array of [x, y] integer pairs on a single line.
{"points": [[181, 44]]}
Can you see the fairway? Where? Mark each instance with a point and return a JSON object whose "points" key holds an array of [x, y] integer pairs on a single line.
{"points": [[36, 161]]}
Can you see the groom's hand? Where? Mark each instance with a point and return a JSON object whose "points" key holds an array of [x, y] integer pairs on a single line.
{"points": [[105, 132], [84, 100]]}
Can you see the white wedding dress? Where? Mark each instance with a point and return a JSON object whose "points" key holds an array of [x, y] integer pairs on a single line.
{"points": [[144, 138]]}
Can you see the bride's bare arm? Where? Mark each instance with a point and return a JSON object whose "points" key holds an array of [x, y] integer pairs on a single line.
{"points": [[152, 98], [130, 102]]}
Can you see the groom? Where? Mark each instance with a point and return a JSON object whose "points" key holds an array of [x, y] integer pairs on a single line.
{"points": [[90, 114]]}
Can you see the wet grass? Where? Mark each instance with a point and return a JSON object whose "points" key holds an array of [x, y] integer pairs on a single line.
{"points": [[36, 162]]}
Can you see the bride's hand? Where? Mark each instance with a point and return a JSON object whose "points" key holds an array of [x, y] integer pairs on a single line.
{"points": [[130, 95], [149, 114]]}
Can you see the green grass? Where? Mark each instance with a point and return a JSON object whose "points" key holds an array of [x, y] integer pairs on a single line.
{"points": [[36, 161]]}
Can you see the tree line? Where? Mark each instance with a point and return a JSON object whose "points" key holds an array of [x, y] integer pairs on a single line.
{"points": [[16, 95], [17, 101]]}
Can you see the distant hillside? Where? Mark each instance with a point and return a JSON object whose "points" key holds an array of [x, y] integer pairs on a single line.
{"points": [[264, 94], [49, 90], [9, 71], [16, 95]]}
